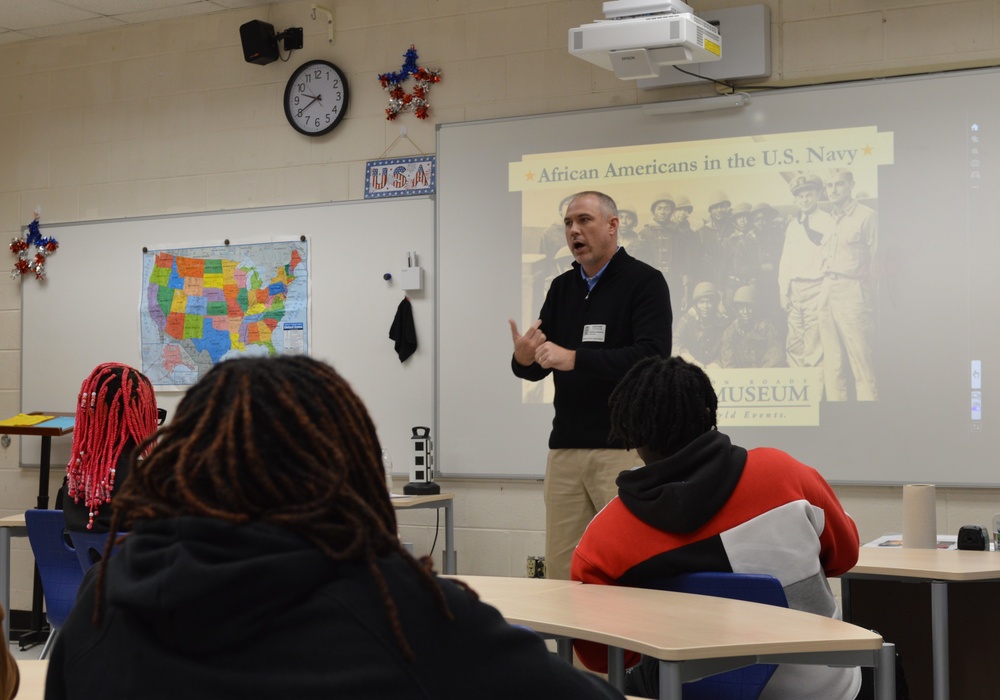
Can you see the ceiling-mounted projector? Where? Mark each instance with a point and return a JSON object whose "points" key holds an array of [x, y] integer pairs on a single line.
{"points": [[637, 38]]}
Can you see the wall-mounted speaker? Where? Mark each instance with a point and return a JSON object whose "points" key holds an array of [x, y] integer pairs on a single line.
{"points": [[259, 43]]}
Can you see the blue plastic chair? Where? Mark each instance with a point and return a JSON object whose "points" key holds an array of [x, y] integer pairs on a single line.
{"points": [[745, 683], [58, 567], [90, 547]]}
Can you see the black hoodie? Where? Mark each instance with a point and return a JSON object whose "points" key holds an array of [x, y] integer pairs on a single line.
{"points": [[682, 492], [199, 608]]}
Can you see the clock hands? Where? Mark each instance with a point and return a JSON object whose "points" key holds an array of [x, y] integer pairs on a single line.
{"points": [[314, 99]]}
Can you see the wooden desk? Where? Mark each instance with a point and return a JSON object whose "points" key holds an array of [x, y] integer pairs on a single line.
{"points": [[437, 500], [693, 636], [497, 587], [46, 431], [32, 679], [936, 566]]}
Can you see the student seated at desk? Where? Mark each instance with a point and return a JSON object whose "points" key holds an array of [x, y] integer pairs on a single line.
{"points": [[701, 503], [115, 411], [263, 562]]}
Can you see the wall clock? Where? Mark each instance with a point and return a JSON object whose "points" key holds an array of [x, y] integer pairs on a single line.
{"points": [[316, 98]]}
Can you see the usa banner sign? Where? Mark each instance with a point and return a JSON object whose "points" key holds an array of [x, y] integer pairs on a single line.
{"points": [[400, 177]]}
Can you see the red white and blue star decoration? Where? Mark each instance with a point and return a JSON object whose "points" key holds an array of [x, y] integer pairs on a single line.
{"points": [[28, 261], [399, 99]]}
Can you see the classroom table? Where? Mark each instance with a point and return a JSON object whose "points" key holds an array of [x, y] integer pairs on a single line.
{"points": [[693, 636], [33, 673], [436, 500], [936, 566], [46, 430]]}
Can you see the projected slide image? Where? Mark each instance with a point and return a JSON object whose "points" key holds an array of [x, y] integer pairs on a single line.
{"points": [[770, 247]]}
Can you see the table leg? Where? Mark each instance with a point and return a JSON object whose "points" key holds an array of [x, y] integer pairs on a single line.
{"points": [[939, 639], [450, 564], [670, 680], [845, 598], [5, 580], [564, 649], [37, 595], [43, 473], [885, 673], [616, 667]]}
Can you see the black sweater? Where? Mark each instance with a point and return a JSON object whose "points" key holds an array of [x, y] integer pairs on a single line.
{"points": [[632, 303]]}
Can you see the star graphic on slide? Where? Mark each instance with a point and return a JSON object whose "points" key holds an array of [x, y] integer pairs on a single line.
{"points": [[529, 175], [867, 150]]}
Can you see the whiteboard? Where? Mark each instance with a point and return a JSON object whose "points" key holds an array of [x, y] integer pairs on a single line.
{"points": [[935, 142], [86, 310]]}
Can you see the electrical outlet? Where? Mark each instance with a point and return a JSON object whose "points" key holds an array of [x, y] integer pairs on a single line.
{"points": [[536, 567]]}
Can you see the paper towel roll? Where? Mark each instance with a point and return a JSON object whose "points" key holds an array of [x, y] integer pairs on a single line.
{"points": [[919, 516]]}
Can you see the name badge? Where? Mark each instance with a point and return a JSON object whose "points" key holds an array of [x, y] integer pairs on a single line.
{"points": [[594, 333]]}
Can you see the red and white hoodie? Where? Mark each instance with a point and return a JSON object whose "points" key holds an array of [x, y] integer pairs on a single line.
{"points": [[714, 506]]}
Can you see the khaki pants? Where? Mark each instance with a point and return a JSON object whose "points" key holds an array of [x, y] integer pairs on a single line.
{"points": [[578, 484]]}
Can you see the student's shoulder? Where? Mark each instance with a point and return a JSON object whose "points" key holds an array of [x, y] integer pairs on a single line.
{"points": [[770, 457], [770, 462], [609, 522]]}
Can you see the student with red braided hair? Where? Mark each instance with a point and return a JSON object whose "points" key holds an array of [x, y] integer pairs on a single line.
{"points": [[263, 561], [115, 411]]}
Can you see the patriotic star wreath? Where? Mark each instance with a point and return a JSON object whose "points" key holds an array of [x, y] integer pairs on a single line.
{"points": [[28, 262], [399, 99]]}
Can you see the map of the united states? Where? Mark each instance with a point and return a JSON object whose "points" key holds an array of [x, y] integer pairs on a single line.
{"points": [[206, 304]]}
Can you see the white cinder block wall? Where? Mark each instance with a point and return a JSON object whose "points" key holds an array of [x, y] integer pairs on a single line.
{"points": [[166, 117]]}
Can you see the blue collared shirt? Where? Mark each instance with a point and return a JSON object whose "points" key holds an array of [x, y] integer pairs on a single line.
{"points": [[591, 281]]}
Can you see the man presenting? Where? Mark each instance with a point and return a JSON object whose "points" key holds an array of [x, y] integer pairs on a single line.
{"points": [[598, 319]]}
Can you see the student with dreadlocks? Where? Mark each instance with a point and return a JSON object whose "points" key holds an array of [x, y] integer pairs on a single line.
{"points": [[701, 503], [115, 411], [263, 561]]}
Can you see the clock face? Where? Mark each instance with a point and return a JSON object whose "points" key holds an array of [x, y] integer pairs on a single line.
{"points": [[316, 98]]}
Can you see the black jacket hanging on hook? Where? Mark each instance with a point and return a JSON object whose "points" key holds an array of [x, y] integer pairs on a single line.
{"points": [[402, 331]]}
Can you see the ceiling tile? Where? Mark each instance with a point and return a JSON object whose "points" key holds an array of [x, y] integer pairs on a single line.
{"points": [[27, 19], [11, 37], [24, 14], [87, 25], [191, 8], [119, 7]]}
